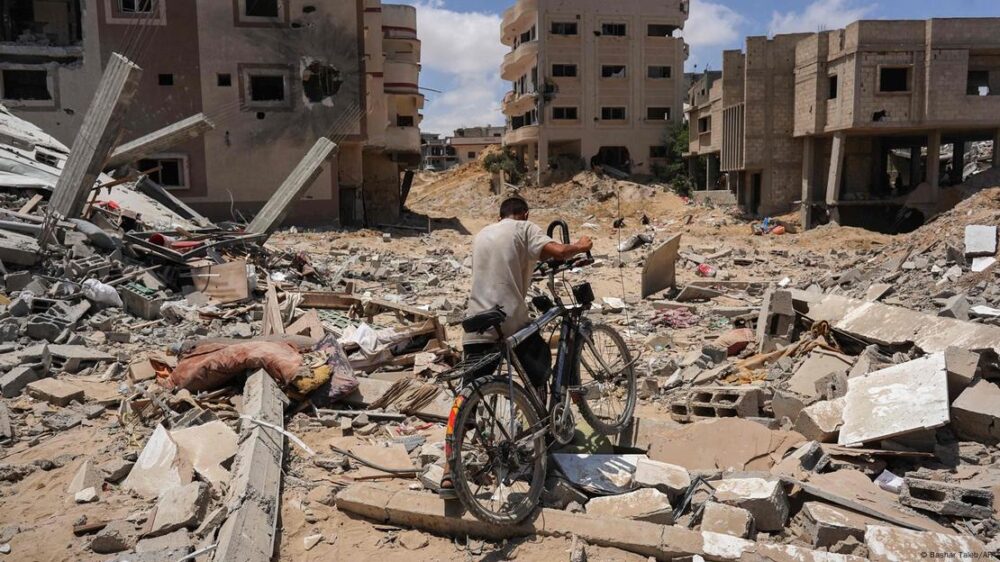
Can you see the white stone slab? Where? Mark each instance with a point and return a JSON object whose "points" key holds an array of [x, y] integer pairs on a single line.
{"points": [[980, 265], [901, 399], [602, 474], [980, 240]]}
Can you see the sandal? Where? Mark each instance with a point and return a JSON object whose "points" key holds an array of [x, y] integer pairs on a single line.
{"points": [[447, 489]]}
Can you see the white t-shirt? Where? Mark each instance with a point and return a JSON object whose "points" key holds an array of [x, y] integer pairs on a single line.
{"points": [[503, 258]]}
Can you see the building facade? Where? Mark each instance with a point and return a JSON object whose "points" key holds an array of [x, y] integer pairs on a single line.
{"points": [[272, 75], [593, 82], [848, 125], [470, 142], [437, 154]]}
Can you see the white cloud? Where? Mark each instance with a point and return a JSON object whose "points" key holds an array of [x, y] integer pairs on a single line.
{"points": [[465, 47], [820, 15], [711, 28]]}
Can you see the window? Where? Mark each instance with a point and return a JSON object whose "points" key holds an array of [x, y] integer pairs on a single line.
{"points": [[978, 83], [472, 155], [613, 29], [894, 79], [657, 152], [658, 72], [26, 85], [267, 88], [613, 71], [660, 30], [563, 70], [405, 121], [564, 113], [705, 124], [135, 6], [168, 172], [224, 80], [658, 113], [613, 113], [166, 79], [834, 83], [564, 28], [262, 8]]}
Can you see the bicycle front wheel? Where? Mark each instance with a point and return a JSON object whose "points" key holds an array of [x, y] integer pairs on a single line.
{"points": [[607, 393], [497, 453]]}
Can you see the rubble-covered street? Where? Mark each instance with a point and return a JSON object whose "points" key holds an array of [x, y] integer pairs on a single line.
{"points": [[178, 390]]}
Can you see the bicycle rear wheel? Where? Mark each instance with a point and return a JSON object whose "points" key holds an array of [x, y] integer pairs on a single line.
{"points": [[608, 388], [498, 467]]}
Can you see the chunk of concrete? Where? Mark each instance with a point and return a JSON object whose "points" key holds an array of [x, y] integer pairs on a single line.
{"points": [[87, 476], [818, 364], [947, 499], [206, 447], [962, 366], [976, 413], [901, 399], [956, 307], [659, 271], [87, 495], [55, 392], [645, 504], [776, 320], [980, 240], [727, 519], [117, 536], [116, 470], [894, 544], [160, 467], [668, 478], [178, 540], [13, 382], [821, 421], [179, 508], [828, 525], [765, 499]]}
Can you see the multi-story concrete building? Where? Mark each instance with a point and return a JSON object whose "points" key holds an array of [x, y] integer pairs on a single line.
{"points": [[273, 75], [841, 123], [437, 154], [471, 141], [593, 81]]}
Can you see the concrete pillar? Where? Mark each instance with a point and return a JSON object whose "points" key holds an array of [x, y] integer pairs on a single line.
{"points": [[915, 174], [160, 140], [712, 175], [293, 188], [543, 159], [808, 179], [836, 175], [934, 164], [957, 162], [996, 149], [530, 155]]}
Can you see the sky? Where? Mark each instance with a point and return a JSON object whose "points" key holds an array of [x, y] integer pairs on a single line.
{"points": [[462, 51]]}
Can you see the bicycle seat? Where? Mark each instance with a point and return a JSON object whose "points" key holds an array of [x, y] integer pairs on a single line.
{"points": [[484, 321]]}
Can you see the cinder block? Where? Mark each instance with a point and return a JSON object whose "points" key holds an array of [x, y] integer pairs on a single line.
{"points": [[947, 499], [975, 415], [727, 519], [718, 402], [765, 499], [828, 525], [821, 421]]}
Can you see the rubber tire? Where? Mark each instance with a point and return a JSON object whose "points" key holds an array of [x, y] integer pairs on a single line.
{"points": [[625, 420], [472, 395]]}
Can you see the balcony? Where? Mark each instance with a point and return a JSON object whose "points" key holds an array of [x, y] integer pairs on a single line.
{"points": [[519, 104], [399, 17], [402, 78], [519, 61], [402, 139], [515, 20], [526, 134]]}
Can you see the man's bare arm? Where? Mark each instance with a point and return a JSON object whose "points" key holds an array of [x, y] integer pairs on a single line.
{"points": [[563, 252]]}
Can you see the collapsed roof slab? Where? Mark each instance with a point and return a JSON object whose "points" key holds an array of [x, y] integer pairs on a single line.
{"points": [[160, 140], [97, 137], [294, 187]]}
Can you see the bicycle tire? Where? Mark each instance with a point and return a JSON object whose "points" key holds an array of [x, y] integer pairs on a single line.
{"points": [[602, 424], [472, 397]]}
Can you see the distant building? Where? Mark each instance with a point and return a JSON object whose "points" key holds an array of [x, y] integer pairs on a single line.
{"points": [[593, 81], [471, 141], [437, 154], [819, 121], [273, 75]]}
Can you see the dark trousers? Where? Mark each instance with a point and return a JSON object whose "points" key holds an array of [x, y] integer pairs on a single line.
{"points": [[534, 355]]}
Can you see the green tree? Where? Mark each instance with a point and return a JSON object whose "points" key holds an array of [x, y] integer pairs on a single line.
{"points": [[503, 162], [676, 140]]}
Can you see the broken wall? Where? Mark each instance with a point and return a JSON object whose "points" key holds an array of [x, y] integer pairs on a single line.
{"points": [[381, 196]]}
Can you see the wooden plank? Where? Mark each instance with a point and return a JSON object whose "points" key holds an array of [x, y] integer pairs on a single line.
{"points": [[273, 324], [309, 325], [31, 204], [226, 283]]}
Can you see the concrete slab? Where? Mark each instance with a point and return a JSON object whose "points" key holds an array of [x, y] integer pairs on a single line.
{"points": [[891, 544], [827, 525], [817, 365], [822, 420], [602, 474], [206, 447], [976, 413], [55, 392], [660, 270], [18, 249], [980, 240], [179, 508], [160, 140], [645, 504], [727, 520], [765, 499], [723, 444], [668, 478], [901, 399], [159, 468]]}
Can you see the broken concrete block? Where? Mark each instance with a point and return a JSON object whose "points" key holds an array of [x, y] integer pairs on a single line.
{"points": [[878, 291], [956, 307], [668, 478], [827, 525], [87, 495], [947, 499], [159, 467], [976, 413], [821, 421], [727, 519], [178, 540], [787, 404], [206, 447], [179, 508], [13, 382], [764, 499], [962, 366], [645, 504], [980, 240], [55, 392], [116, 470], [895, 544], [117, 536], [717, 402], [901, 399], [819, 363], [87, 476], [776, 320]]}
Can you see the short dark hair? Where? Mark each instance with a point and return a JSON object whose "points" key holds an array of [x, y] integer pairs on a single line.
{"points": [[513, 206]]}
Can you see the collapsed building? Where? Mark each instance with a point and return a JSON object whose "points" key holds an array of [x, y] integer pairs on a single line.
{"points": [[464, 146], [592, 82], [272, 75], [839, 123]]}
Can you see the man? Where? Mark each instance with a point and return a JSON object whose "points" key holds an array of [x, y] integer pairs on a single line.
{"points": [[504, 256]]}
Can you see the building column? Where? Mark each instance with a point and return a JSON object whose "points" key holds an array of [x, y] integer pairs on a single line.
{"points": [[808, 179], [915, 174], [836, 176], [543, 159], [530, 154], [957, 162], [934, 164], [996, 149], [712, 171]]}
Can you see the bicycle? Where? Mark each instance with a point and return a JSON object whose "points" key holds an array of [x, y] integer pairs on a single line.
{"points": [[500, 430]]}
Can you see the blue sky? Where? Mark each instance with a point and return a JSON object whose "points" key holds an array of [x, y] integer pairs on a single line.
{"points": [[462, 50]]}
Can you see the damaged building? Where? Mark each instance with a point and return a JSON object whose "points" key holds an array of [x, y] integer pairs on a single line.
{"points": [[592, 82], [272, 75], [840, 123]]}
